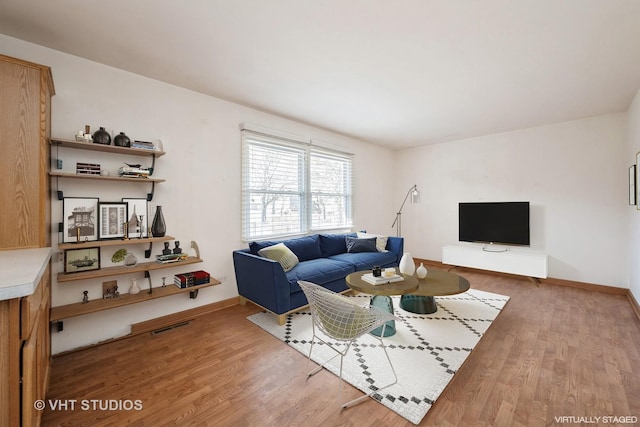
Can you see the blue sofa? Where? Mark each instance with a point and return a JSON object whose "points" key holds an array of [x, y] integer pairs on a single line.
{"points": [[323, 259]]}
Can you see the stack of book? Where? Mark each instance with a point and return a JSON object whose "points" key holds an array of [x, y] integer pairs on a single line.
{"points": [[193, 278], [143, 144], [382, 280], [138, 172], [87, 168], [167, 259]]}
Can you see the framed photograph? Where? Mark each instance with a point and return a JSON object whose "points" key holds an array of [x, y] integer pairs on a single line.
{"points": [[85, 259], [112, 218], [632, 185], [79, 216], [637, 181], [137, 217]]}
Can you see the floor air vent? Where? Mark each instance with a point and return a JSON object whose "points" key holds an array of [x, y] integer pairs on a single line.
{"points": [[168, 328]]}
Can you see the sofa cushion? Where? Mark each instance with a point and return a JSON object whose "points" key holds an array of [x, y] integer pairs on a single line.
{"points": [[366, 260], [305, 248], [381, 241], [333, 244], [281, 253], [355, 245], [319, 271]]}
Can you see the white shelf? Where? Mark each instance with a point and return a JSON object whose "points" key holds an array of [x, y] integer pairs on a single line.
{"points": [[513, 261]]}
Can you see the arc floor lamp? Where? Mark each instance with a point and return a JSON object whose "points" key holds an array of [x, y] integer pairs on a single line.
{"points": [[415, 198]]}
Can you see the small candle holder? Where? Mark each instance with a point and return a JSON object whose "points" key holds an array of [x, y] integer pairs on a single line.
{"points": [[377, 271]]}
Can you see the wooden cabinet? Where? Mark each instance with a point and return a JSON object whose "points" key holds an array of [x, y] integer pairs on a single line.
{"points": [[25, 347], [36, 351], [25, 229], [25, 104]]}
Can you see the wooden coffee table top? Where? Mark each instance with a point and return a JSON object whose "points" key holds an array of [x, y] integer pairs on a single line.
{"points": [[440, 283], [407, 286]]}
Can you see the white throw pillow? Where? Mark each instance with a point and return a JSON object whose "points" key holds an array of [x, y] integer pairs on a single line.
{"points": [[381, 241], [281, 253]]}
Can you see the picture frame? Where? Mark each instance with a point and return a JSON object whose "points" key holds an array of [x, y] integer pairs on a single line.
{"points": [[139, 208], [83, 259], [632, 185], [79, 219], [112, 217], [637, 181]]}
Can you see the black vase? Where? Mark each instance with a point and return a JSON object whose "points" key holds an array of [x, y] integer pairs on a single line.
{"points": [[122, 140], [158, 226], [101, 136]]}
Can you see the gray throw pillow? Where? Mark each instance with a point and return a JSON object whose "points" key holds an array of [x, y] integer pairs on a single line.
{"points": [[361, 245]]}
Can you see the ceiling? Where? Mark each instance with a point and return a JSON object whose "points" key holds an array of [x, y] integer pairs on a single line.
{"points": [[396, 73]]}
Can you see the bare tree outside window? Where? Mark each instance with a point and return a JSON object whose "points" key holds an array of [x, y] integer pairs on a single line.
{"points": [[275, 188], [330, 185], [279, 180]]}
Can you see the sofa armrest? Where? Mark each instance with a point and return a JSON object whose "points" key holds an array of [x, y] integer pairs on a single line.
{"points": [[262, 281], [396, 245]]}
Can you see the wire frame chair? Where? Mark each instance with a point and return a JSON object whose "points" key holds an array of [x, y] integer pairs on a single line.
{"points": [[343, 320]]}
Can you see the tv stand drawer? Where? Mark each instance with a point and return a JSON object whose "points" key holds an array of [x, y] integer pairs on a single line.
{"points": [[523, 263]]}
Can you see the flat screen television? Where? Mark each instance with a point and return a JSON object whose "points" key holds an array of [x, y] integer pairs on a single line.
{"points": [[494, 222]]}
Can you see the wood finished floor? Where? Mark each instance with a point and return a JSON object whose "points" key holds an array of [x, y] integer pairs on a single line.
{"points": [[553, 351]]}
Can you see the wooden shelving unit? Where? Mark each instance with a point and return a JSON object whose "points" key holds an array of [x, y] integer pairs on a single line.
{"points": [[114, 242], [69, 143], [119, 270], [104, 178], [71, 310]]}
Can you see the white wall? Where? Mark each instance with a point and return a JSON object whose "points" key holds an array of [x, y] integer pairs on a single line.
{"points": [[573, 173], [201, 198], [633, 147]]}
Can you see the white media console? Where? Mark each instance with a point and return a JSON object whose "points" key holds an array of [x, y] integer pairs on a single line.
{"points": [[513, 261]]}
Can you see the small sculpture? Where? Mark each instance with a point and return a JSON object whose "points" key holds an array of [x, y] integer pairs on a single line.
{"points": [[116, 294], [177, 249], [142, 227], [166, 250], [164, 284], [107, 294], [85, 298]]}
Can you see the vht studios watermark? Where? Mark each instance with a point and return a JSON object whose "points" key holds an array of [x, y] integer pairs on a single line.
{"points": [[605, 419], [88, 405]]}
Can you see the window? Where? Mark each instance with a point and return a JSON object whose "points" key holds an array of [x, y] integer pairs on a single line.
{"points": [[291, 188]]}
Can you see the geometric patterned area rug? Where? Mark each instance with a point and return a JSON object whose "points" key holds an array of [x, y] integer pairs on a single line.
{"points": [[426, 351]]}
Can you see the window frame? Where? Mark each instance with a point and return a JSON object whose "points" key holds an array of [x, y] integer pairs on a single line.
{"points": [[307, 150]]}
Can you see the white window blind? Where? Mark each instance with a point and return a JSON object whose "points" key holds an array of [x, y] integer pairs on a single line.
{"points": [[291, 188], [330, 190]]}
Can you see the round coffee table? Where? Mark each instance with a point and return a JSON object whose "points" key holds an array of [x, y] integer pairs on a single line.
{"points": [[437, 283], [381, 294]]}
